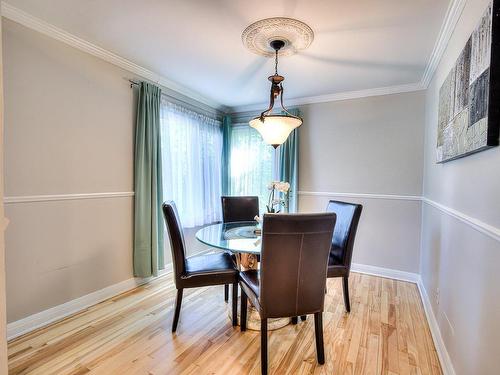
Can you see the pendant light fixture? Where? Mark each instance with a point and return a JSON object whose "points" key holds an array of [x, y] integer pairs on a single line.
{"points": [[273, 37], [275, 128]]}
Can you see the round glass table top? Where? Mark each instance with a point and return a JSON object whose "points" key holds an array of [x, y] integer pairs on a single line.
{"points": [[240, 237]]}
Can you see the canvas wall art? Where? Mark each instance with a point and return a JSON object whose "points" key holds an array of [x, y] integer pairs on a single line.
{"points": [[468, 119]]}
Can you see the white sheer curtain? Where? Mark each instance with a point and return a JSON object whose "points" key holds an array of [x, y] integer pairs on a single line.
{"points": [[252, 164], [192, 151]]}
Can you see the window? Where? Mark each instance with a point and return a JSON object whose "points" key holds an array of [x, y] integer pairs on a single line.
{"points": [[253, 164], [191, 157]]}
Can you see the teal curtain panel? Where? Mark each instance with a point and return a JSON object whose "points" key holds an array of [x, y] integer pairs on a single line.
{"points": [[226, 155], [148, 224], [288, 164]]}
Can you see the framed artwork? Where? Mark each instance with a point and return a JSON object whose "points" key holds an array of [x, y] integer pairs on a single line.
{"points": [[469, 99]]}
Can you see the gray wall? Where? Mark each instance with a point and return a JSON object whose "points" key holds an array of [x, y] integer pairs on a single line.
{"points": [[3, 309], [68, 129], [371, 146], [460, 265]]}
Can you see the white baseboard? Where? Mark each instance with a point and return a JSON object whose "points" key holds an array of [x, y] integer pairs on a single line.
{"points": [[56, 313], [444, 358], [385, 272], [44, 318], [442, 352]]}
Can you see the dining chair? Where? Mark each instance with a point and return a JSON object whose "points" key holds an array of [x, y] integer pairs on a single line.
{"points": [[235, 209], [339, 262], [242, 208], [292, 277], [199, 270]]}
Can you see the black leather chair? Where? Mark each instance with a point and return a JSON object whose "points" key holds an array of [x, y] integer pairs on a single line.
{"points": [[292, 276], [238, 208], [243, 208], [197, 271], [339, 262]]}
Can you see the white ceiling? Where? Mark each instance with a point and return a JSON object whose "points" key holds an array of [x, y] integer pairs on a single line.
{"points": [[358, 45]]}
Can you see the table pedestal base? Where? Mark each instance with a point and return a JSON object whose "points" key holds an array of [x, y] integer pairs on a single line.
{"points": [[253, 318]]}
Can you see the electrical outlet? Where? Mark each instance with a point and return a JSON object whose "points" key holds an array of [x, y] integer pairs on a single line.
{"points": [[436, 296]]}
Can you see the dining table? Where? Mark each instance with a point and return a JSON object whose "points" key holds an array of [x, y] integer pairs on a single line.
{"points": [[243, 239]]}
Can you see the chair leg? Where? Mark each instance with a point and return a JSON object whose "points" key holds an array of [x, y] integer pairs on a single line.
{"points": [[303, 318], [295, 320], [226, 292], [345, 285], [243, 311], [318, 330], [263, 346], [235, 304], [178, 303]]}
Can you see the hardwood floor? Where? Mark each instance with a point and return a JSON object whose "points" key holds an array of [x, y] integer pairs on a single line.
{"points": [[385, 333]]}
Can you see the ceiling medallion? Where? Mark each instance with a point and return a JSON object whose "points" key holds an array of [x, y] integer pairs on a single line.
{"points": [[295, 34]]}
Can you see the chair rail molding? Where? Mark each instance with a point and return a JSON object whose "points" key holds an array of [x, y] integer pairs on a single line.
{"points": [[65, 197], [360, 195], [480, 226]]}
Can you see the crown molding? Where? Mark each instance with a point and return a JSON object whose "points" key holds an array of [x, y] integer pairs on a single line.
{"points": [[452, 16], [455, 9], [397, 89], [17, 15], [453, 13]]}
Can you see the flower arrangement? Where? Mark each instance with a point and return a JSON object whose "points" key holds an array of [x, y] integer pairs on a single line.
{"points": [[278, 196]]}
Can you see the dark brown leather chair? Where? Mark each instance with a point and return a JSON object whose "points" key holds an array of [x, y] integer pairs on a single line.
{"points": [[292, 276], [339, 262], [238, 208], [196, 271]]}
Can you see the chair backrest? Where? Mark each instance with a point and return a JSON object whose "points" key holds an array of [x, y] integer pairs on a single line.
{"points": [[177, 244], [294, 259], [348, 215], [239, 208]]}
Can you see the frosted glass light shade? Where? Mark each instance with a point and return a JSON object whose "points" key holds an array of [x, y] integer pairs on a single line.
{"points": [[276, 128]]}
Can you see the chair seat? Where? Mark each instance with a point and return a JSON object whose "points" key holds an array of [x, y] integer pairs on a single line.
{"points": [[210, 263], [209, 269]]}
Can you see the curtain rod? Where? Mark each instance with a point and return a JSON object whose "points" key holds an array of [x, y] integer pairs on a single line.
{"points": [[133, 83], [215, 113]]}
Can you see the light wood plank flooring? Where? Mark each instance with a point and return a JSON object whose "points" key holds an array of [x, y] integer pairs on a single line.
{"points": [[386, 333]]}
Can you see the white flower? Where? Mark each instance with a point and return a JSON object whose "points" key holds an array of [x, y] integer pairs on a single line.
{"points": [[283, 186], [271, 185]]}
